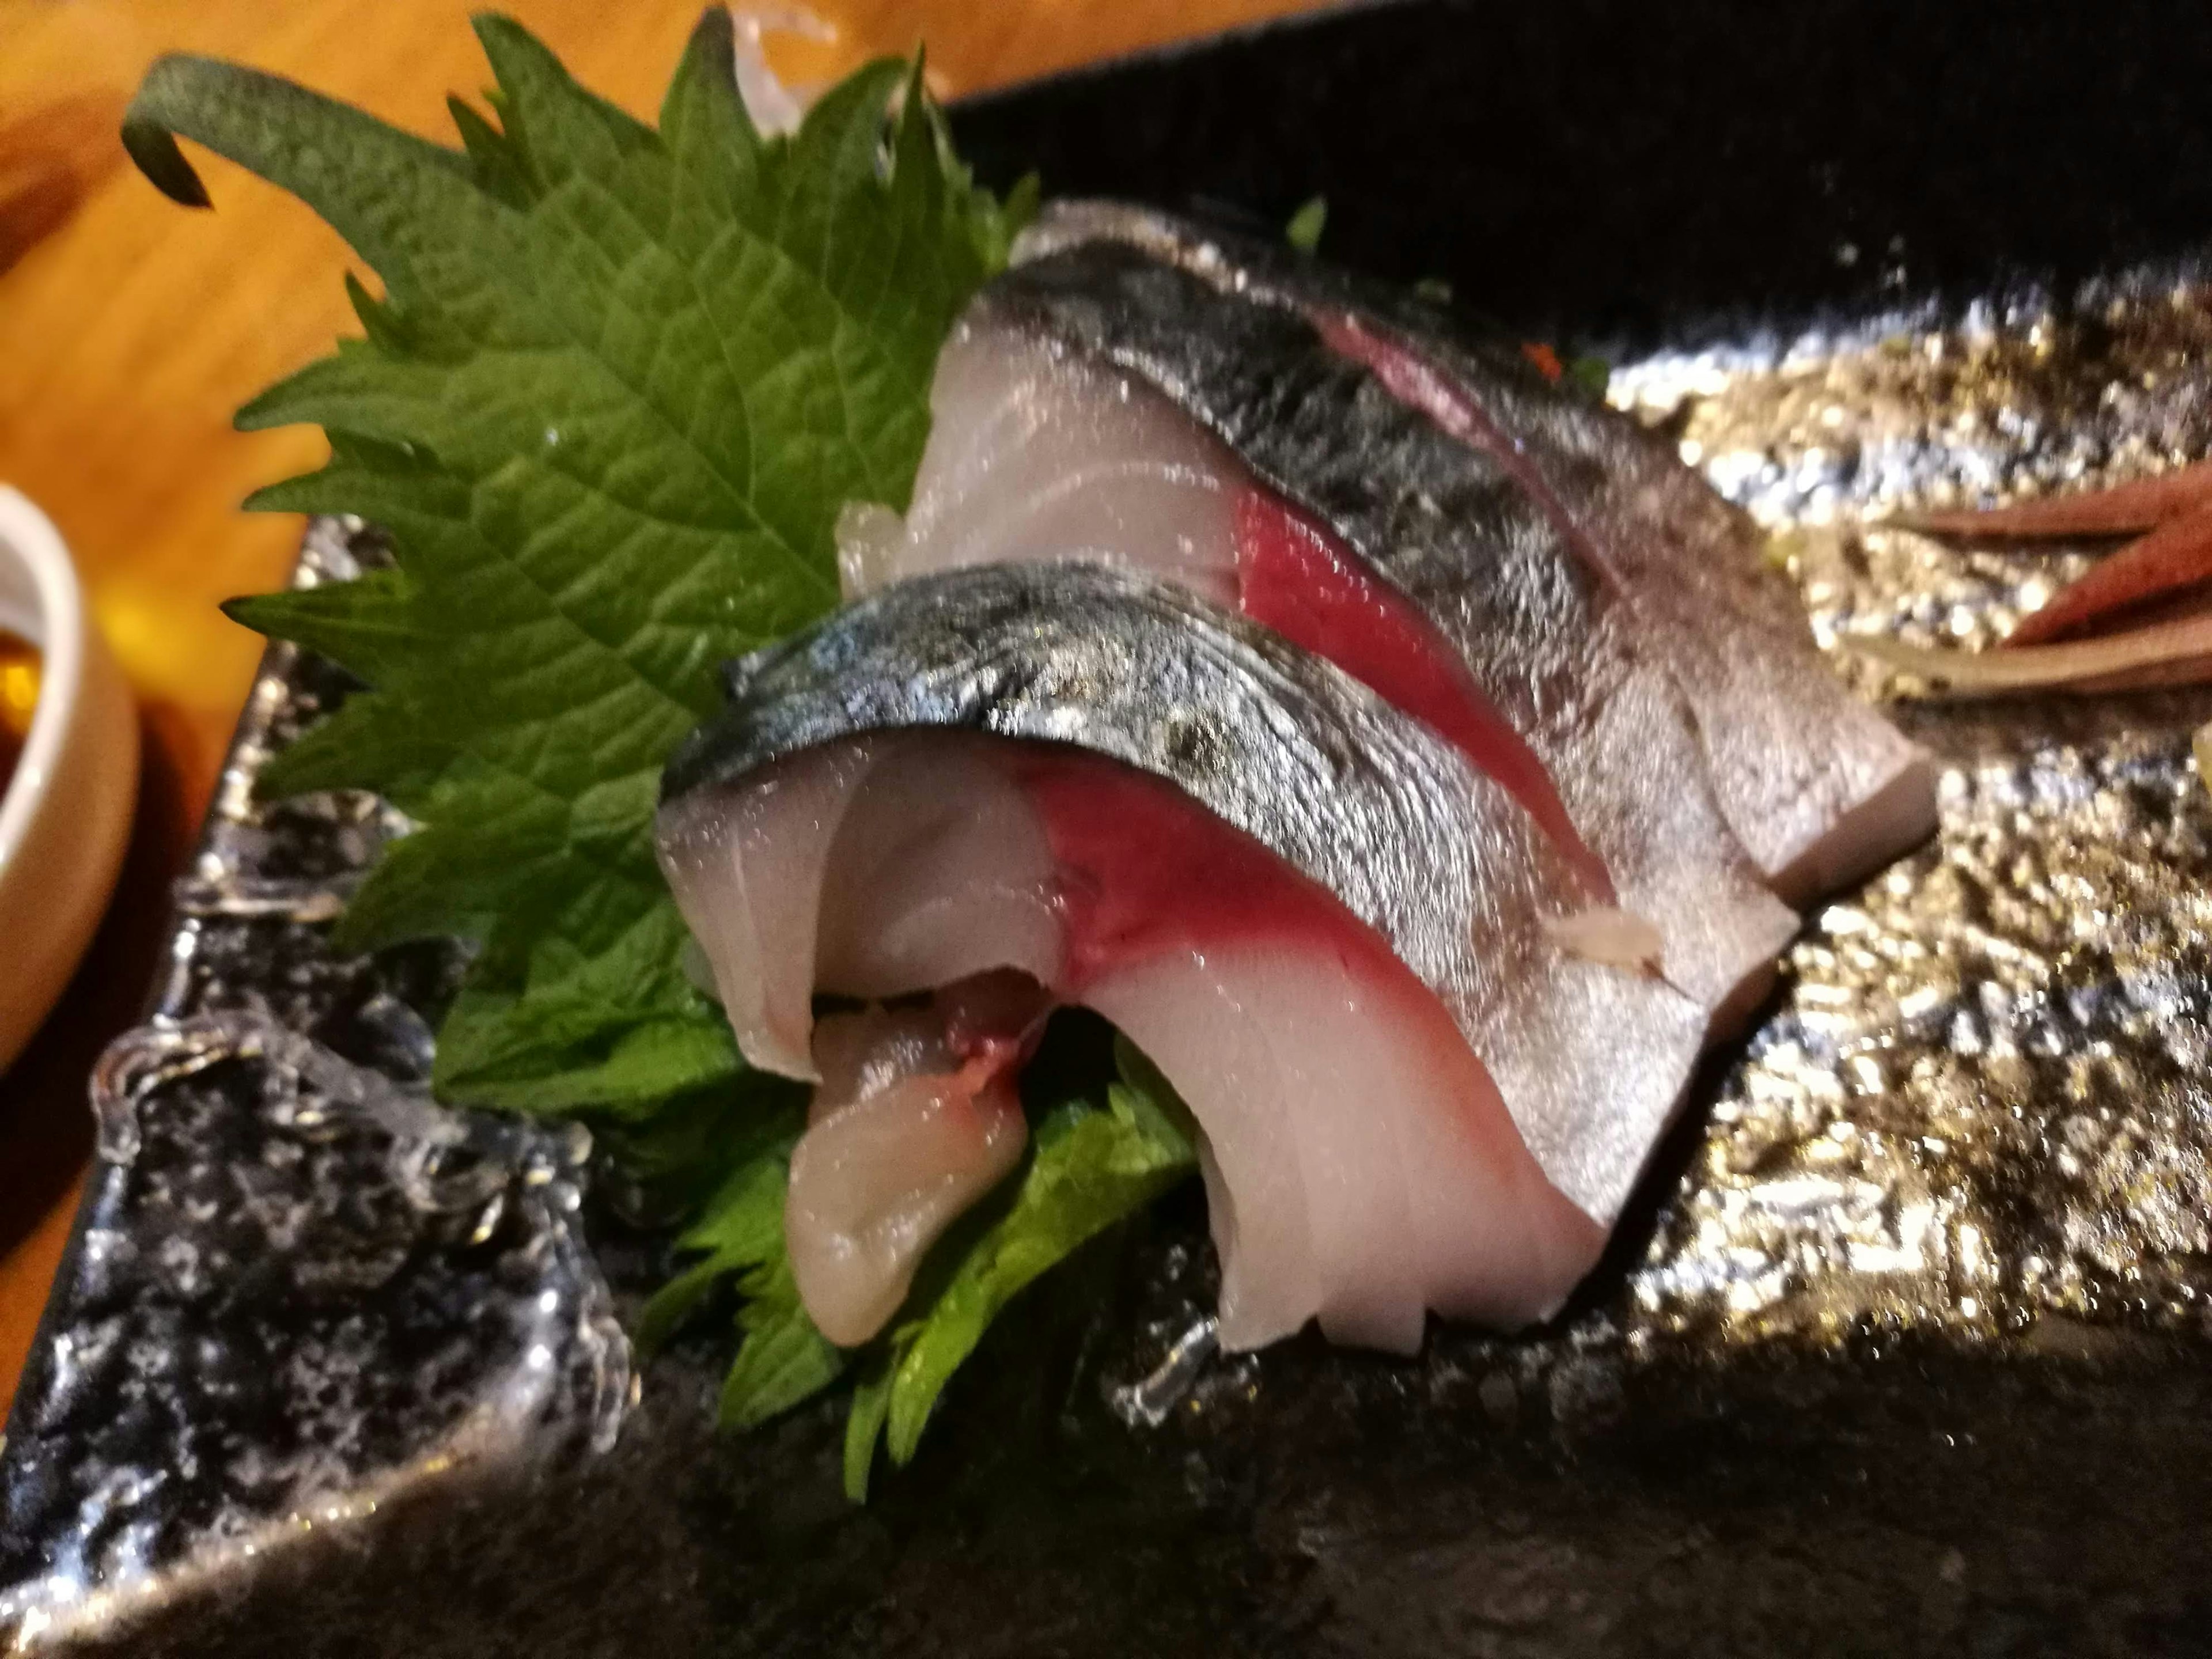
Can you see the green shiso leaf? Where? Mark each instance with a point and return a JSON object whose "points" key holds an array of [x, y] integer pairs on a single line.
{"points": [[740, 1230], [1086, 1169], [1304, 231], [784, 1359], [739, 1233], [1591, 375], [617, 388], [864, 1424]]}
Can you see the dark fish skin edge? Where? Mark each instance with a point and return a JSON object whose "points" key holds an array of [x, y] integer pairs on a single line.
{"points": [[1316, 768], [1284, 746]]}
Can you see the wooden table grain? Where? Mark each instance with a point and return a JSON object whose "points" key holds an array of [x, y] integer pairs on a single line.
{"points": [[130, 329]]}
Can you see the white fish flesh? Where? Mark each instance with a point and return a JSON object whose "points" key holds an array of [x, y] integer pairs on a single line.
{"points": [[916, 1115]]}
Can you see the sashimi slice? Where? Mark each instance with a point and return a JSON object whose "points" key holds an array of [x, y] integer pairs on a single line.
{"points": [[1817, 788], [1030, 447], [1454, 544], [767, 883], [1296, 578], [958, 882], [916, 1116], [1242, 980], [1416, 1194], [1037, 452], [1265, 771], [1820, 789], [1363, 1167]]}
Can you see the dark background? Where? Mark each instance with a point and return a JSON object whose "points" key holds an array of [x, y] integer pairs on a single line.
{"points": [[1623, 174]]}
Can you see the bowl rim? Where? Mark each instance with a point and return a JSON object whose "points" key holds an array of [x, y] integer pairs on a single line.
{"points": [[29, 539]]}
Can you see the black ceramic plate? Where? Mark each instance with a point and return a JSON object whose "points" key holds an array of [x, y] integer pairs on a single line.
{"points": [[329, 1373]]}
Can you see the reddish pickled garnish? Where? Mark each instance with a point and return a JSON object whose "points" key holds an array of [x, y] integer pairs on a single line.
{"points": [[2174, 652], [1546, 360], [2123, 510], [2178, 555], [2137, 618]]}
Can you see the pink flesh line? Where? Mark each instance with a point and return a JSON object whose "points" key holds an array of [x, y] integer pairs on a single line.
{"points": [[1146, 875], [1144, 872], [1410, 379], [1294, 577]]}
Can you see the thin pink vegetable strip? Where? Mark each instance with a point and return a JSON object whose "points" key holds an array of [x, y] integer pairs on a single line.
{"points": [[2123, 509], [2175, 555], [2144, 656]]}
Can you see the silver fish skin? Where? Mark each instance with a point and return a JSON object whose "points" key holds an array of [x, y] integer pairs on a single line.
{"points": [[1454, 534], [1591, 1060], [1819, 788]]}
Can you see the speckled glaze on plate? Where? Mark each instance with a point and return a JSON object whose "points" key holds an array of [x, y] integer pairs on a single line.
{"points": [[1903, 1347]]}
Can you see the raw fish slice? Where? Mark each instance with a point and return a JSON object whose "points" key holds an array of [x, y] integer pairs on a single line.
{"points": [[766, 885], [1819, 788], [748, 873], [1030, 447], [915, 1116], [1039, 451], [1202, 947], [1362, 1166], [1296, 578], [1459, 540], [1280, 744], [988, 1021], [1415, 1196], [959, 828], [859, 1055], [1298, 768], [906, 1131]]}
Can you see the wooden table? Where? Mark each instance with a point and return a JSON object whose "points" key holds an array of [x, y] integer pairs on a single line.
{"points": [[129, 330]]}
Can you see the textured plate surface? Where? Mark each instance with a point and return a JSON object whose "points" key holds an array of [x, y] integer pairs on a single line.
{"points": [[1905, 1349]]}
